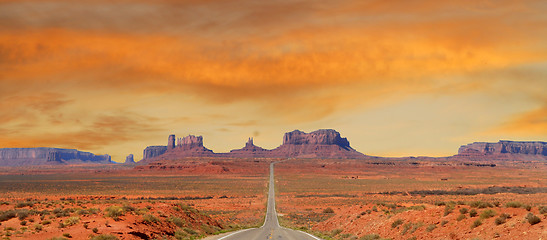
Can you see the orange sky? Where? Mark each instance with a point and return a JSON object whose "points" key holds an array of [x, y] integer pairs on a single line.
{"points": [[397, 78]]}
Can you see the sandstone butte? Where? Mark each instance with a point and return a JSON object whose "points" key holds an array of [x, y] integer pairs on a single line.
{"points": [[324, 143]]}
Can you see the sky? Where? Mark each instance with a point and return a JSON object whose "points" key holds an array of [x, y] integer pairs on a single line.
{"points": [[397, 78]]}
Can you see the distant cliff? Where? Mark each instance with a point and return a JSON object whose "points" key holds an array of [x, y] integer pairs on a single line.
{"points": [[48, 156], [504, 150]]}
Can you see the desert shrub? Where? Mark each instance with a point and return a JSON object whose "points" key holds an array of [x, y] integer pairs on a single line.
{"points": [[480, 204], [67, 235], [104, 237], [513, 204], [406, 227], [336, 232], [431, 227], [533, 219], [542, 209], [24, 204], [177, 221], [396, 223], [447, 210], [444, 222], [502, 219], [345, 235], [488, 213], [370, 237], [38, 227], [22, 213], [461, 217], [23, 223], [497, 203], [499, 221], [473, 213], [463, 210], [46, 222], [328, 210], [527, 207], [412, 238], [115, 212], [71, 221], [476, 223], [439, 203], [95, 230], [374, 208], [7, 215], [149, 218], [129, 208]]}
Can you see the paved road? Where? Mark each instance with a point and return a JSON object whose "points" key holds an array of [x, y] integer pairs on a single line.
{"points": [[271, 228]]}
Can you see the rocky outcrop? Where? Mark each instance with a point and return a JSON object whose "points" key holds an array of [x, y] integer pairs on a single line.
{"points": [[48, 156], [153, 151], [501, 147], [319, 137], [326, 143], [129, 159], [504, 150], [249, 151]]}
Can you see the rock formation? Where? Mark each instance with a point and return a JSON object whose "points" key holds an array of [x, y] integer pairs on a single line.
{"points": [[325, 143], [249, 151], [129, 159], [153, 151], [48, 156], [504, 150]]}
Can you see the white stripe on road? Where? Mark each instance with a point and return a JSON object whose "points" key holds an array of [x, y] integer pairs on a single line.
{"points": [[240, 231], [310, 235]]}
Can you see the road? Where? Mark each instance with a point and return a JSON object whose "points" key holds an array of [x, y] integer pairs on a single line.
{"points": [[271, 228]]}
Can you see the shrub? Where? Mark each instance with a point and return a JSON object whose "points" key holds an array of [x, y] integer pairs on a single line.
{"points": [[22, 214], [431, 227], [444, 222], [104, 237], [396, 223], [7, 215], [461, 217], [58, 238], [23, 223], [488, 213], [481, 204], [447, 210], [336, 232], [115, 212], [46, 222], [533, 219], [527, 207], [177, 221], [149, 218], [38, 227], [328, 210], [476, 223], [370, 237], [473, 213], [513, 204], [95, 230], [67, 235], [542, 209], [463, 210], [502, 219]]}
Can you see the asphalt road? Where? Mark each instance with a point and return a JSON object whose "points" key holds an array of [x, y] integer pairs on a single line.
{"points": [[271, 228]]}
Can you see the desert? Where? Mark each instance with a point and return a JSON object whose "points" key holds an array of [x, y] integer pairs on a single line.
{"points": [[273, 120], [486, 191]]}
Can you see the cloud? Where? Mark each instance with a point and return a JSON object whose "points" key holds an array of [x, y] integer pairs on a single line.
{"points": [[532, 123]]}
